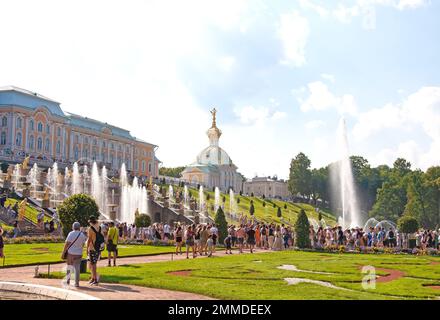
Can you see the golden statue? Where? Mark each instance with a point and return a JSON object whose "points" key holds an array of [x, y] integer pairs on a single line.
{"points": [[22, 209], [136, 213], [46, 194], [9, 174], [25, 164], [213, 112]]}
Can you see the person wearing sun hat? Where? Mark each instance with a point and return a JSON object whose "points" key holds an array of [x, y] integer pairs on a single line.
{"points": [[94, 239]]}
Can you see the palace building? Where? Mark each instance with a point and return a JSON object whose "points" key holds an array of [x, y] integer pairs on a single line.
{"points": [[213, 166], [267, 186], [36, 126]]}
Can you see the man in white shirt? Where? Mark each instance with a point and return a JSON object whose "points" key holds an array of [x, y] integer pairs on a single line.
{"points": [[74, 247], [166, 231], [214, 232]]}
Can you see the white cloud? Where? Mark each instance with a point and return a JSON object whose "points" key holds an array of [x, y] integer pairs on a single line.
{"points": [[328, 77], [419, 112], [314, 124], [320, 98], [293, 31], [226, 63], [250, 115]]}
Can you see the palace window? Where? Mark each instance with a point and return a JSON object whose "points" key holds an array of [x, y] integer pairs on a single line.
{"points": [[94, 155], [40, 127], [149, 167], [31, 142], [19, 123], [47, 129], [3, 138], [103, 144], [39, 144], [59, 132], [4, 122], [113, 146], [95, 142], [85, 153], [31, 125], [18, 140], [58, 147], [76, 153], [144, 166], [86, 140], [136, 165], [47, 146]]}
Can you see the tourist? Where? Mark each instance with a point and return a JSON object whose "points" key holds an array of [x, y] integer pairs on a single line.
{"points": [[271, 236], [166, 231], [204, 235], [258, 236], [16, 230], [391, 238], [278, 242], [214, 233], [189, 241], [178, 236], [240, 238], [197, 237], [95, 240], [340, 236], [251, 239], [228, 244], [2, 255], [210, 244], [72, 252], [263, 232], [112, 243]]}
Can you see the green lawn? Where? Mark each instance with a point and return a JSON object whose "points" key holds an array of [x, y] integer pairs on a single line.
{"points": [[267, 213], [31, 213], [41, 253], [257, 277]]}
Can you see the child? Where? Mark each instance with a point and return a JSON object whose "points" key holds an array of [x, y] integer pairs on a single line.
{"points": [[210, 244], [228, 244]]}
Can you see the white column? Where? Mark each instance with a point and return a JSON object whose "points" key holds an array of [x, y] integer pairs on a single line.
{"points": [[13, 130], [25, 121]]}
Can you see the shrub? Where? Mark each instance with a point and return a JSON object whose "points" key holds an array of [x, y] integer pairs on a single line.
{"points": [[241, 193], [408, 224], [208, 197], [238, 200], [279, 212], [222, 225], [4, 167], [252, 194], [224, 199], [264, 204], [264, 197], [252, 209], [285, 206], [78, 207], [142, 221], [302, 228], [274, 205], [319, 215]]}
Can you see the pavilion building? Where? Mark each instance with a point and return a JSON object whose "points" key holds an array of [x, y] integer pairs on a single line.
{"points": [[213, 166]]}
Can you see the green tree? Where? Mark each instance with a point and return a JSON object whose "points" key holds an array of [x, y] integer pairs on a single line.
{"points": [[79, 207], [407, 224], [221, 223], [4, 166], [302, 229], [171, 172], [252, 209], [319, 215], [238, 200], [142, 220], [300, 176], [279, 212]]}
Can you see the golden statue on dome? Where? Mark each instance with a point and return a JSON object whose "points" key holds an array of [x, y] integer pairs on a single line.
{"points": [[213, 112], [25, 164]]}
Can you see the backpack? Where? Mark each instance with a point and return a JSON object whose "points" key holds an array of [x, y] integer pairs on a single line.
{"points": [[99, 242]]}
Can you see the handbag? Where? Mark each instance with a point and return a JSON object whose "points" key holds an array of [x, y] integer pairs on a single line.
{"points": [[67, 250]]}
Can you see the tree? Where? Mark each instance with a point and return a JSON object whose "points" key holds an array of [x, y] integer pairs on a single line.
{"points": [[252, 209], [319, 185], [4, 167], [319, 215], [264, 204], [221, 223], [407, 224], [208, 197], [171, 172], [285, 206], [274, 205], [252, 194], [224, 199], [300, 176], [142, 220], [238, 200], [264, 197], [302, 229], [79, 207], [279, 212]]}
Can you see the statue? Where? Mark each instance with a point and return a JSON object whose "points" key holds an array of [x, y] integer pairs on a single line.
{"points": [[136, 213], [22, 209], [46, 194], [213, 112], [25, 164]]}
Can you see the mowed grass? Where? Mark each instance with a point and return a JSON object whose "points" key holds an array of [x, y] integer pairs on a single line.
{"points": [[266, 213], [31, 213], [44, 253], [257, 276]]}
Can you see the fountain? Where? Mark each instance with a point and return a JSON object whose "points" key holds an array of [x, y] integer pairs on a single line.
{"points": [[232, 204], [33, 178], [133, 198], [343, 182], [185, 197], [216, 199], [171, 193], [76, 180], [16, 176], [85, 179]]}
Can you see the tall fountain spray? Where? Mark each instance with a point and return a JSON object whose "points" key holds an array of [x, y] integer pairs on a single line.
{"points": [[86, 178], [345, 182], [96, 191], [185, 197], [171, 193], [16, 176], [76, 180], [201, 199], [34, 176], [216, 198], [232, 204], [104, 192]]}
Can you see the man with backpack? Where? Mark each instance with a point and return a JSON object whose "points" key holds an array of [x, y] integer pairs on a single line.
{"points": [[95, 244]]}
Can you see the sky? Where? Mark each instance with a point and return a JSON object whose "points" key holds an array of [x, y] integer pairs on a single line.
{"points": [[280, 73]]}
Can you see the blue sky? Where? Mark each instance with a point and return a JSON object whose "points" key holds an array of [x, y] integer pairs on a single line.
{"points": [[281, 74]]}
